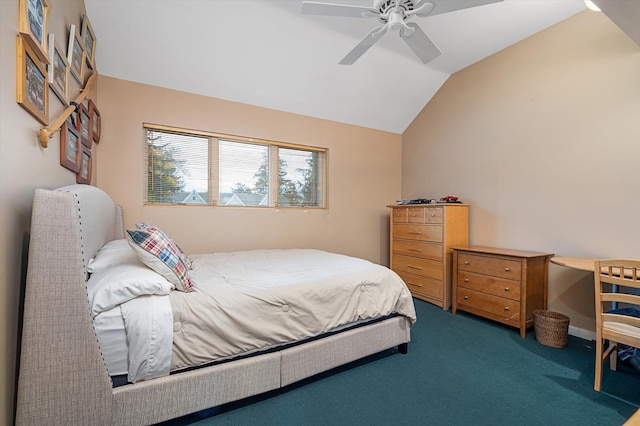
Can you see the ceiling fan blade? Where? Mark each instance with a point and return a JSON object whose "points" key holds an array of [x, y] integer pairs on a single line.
{"points": [[329, 9], [364, 45], [445, 6], [421, 44]]}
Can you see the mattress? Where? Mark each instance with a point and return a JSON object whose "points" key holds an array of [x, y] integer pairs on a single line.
{"points": [[112, 339]]}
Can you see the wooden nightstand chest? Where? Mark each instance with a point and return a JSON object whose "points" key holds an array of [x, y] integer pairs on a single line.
{"points": [[421, 240], [500, 284]]}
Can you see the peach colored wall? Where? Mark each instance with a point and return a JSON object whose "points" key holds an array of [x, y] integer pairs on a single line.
{"points": [[543, 140], [364, 174], [24, 166]]}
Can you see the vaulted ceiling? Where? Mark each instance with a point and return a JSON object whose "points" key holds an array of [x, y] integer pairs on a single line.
{"points": [[266, 53]]}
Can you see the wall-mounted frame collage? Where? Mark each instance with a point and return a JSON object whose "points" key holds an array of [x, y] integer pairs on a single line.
{"points": [[43, 64], [77, 136]]}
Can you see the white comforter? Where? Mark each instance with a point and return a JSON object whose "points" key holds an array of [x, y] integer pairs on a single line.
{"points": [[253, 300]]}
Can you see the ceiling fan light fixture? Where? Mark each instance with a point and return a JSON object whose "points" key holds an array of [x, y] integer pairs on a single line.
{"points": [[591, 5], [396, 20]]}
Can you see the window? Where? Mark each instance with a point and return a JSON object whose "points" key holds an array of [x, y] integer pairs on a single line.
{"points": [[187, 167]]}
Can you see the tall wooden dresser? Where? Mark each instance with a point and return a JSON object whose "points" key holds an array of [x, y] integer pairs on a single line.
{"points": [[500, 284], [421, 240]]}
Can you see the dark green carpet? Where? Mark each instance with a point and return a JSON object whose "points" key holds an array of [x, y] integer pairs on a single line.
{"points": [[460, 370]]}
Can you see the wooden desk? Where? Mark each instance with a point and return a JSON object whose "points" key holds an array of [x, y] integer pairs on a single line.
{"points": [[588, 264], [582, 263]]}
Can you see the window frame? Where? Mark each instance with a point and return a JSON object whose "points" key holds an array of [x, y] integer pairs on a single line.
{"points": [[214, 167]]}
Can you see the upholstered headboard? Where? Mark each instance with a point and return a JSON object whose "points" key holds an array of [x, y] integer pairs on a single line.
{"points": [[99, 217], [59, 349]]}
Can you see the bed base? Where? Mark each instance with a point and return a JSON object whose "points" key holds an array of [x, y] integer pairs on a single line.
{"points": [[63, 378]]}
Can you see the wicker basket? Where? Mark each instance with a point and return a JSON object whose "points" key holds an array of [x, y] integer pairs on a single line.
{"points": [[552, 328]]}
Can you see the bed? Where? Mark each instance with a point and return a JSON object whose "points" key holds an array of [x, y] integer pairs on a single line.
{"points": [[64, 376]]}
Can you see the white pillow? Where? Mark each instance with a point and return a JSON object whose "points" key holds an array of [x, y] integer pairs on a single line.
{"points": [[115, 252], [117, 284]]}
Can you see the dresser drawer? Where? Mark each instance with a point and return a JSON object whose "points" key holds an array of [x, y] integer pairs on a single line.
{"points": [[491, 285], [506, 309], [422, 286], [418, 249], [422, 267], [431, 233], [433, 214], [415, 215], [399, 215], [503, 268], [418, 214]]}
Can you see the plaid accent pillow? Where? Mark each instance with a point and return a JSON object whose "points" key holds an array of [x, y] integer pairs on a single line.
{"points": [[159, 253], [181, 253]]}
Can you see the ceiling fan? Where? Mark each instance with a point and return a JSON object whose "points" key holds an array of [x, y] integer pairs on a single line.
{"points": [[393, 15]]}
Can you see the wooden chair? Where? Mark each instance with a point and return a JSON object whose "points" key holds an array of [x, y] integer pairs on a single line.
{"points": [[617, 282]]}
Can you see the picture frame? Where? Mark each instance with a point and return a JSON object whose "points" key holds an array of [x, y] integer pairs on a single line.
{"points": [[33, 22], [84, 172], [88, 71], [58, 70], [84, 125], [89, 40], [96, 123], [70, 146], [76, 54], [32, 82]]}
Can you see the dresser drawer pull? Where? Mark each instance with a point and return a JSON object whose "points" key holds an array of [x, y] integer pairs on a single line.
{"points": [[417, 250], [466, 280], [466, 262], [506, 308], [414, 215], [507, 269], [466, 297], [419, 268], [433, 215], [416, 233], [506, 289], [417, 285]]}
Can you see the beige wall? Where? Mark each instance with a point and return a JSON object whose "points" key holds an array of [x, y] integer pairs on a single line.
{"points": [[364, 174], [543, 140], [24, 166]]}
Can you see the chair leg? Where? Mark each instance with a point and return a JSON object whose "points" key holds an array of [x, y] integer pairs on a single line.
{"points": [[613, 355], [598, 376]]}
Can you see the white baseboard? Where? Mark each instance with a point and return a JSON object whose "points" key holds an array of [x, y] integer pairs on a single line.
{"points": [[582, 333]]}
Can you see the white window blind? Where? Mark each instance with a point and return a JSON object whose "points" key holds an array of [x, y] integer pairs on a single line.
{"points": [[186, 167], [177, 168]]}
